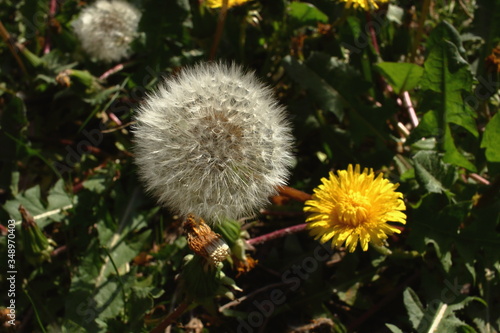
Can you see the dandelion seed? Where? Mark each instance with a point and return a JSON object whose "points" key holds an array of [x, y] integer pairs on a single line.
{"points": [[363, 4], [354, 206], [213, 142], [106, 29]]}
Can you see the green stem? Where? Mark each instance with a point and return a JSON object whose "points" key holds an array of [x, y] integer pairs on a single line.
{"points": [[39, 321]]}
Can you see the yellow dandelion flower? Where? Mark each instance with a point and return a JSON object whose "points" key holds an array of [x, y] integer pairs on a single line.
{"points": [[364, 4], [354, 206], [230, 3]]}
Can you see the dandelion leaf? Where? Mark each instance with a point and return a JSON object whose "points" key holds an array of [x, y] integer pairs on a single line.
{"points": [[491, 139], [446, 78], [324, 94], [432, 173], [302, 14], [401, 76]]}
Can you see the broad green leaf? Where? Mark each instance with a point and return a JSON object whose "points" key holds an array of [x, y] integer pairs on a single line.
{"points": [[303, 13], [401, 76], [491, 139], [446, 77], [58, 201], [437, 316], [340, 75], [432, 173], [327, 97], [109, 299], [30, 199], [413, 306], [436, 222]]}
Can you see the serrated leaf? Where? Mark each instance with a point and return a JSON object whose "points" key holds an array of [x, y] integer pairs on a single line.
{"points": [[324, 94], [432, 173], [303, 13], [58, 201], [96, 184], [413, 306], [401, 76], [491, 139], [30, 199], [436, 222], [446, 77]]}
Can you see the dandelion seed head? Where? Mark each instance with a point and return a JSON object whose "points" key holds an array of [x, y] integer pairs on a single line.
{"points": [[106, 29], [213, 142]]}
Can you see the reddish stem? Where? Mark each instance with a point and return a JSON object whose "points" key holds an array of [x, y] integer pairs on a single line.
{"points": [[277, 234], [373, 34], [409, 107], [479, 179], [52, 14], [294, 194], [170, 318], [111, 71], [219, 29], [114, 118]]}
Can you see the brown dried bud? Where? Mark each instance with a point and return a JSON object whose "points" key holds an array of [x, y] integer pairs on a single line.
{"points": [[204, 242]]}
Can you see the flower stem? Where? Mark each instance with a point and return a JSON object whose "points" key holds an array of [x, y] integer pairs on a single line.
{"points": [[10, 43], [295, 194], [111, 71], [277, 234], [219, 30], [420, 31], [373, 34], [479, 179], [52, 13], [171, 317], [409, 107]]}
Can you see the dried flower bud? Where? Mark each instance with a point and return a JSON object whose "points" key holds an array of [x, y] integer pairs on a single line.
{"points": [[37, 247], [204, 242]]}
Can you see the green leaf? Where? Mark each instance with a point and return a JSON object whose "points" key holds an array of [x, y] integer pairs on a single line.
{"points": [[446, 77], [491, 139], [432, 173], [413, 306], [58, 198], [393, 328], [436, 222], [401, 76], [58, 201], [302, 13], [324, 94], [340, 75]]}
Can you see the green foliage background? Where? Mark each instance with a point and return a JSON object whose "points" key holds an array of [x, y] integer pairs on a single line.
{"points": [[108, 260]]}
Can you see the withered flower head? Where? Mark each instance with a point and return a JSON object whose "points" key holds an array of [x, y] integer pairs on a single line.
{"points": [[204, 242]]}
